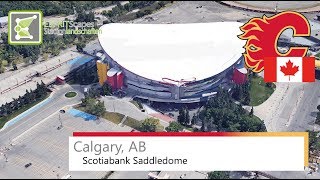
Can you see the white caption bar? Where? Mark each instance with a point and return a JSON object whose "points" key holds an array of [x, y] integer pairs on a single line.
{"points": [[233, 153]]}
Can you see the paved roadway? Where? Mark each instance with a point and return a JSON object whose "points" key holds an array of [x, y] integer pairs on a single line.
{"points": [[58, 101], [36, 139], [305, 113]]}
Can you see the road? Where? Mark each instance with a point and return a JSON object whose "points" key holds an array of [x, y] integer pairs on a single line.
{"points": [[305, 114], [292, 107], [58, 101]]}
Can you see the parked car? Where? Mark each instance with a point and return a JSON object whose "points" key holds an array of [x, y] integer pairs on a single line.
{"points": [[27, 165]]}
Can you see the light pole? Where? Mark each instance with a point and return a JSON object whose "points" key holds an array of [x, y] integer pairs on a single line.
{"points": [[5, 156], [60, 120], [61, 112]]}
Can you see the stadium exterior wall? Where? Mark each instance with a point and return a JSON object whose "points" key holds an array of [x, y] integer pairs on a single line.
{"points": [[189, 92]]}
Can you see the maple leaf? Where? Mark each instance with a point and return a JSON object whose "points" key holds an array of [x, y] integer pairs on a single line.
{"points": [[289, 69]]}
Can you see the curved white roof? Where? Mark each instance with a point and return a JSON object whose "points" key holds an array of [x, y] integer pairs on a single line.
{"points": [[174, 51]]}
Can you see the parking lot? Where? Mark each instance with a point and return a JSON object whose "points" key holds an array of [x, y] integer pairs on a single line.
{"points": [[46, 148]]}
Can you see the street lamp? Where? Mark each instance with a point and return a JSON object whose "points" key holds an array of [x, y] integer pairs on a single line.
{"points": [[5, 156], [61, 112], [60, 121]]}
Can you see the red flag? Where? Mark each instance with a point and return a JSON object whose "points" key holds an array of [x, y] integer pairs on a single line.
{"points": [[289, 69]]}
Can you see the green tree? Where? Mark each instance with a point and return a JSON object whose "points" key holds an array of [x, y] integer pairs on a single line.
{"points": [[99, 109], [182, 116], [236, 93], [203, 126], [218, 175], [14, 65], [314, 142], [251, 111], [187, 118], [318, 118], [80, 46], [149, 125], [2, 69], [93, 106], [27, 97], [194, 119], [174, 127], [45, 56], [106, 89], [269, 85], [161, 3], [34, 58], [247, 100]]}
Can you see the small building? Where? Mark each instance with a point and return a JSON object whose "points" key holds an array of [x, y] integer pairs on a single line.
{"points": [[115, 78], [239, 75], [60, 80]]}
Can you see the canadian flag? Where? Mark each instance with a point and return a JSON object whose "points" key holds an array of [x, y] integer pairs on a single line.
{"points": [[289, 69]]}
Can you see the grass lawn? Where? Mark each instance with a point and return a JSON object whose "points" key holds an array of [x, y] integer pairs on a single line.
{"points": [[3, 120], [110, 116], [135, 124], [70, 94], [113, 117], [160, 128], [259, 92]]}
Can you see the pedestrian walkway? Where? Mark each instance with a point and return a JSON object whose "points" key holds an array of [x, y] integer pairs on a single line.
{"points": [[84, 115]]}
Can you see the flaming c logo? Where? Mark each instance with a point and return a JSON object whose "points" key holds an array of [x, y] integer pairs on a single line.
{"points": [[262, 36]]}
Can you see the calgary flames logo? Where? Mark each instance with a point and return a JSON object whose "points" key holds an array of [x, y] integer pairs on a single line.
{"points": [[262, 36]]}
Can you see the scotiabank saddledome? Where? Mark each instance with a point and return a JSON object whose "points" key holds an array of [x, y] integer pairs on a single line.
{"points": [[181, 63]]}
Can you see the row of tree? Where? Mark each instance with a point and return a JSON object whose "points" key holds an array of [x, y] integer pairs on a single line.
{"points": [[314, 141], [50, 8], [132, 5], [123, 9], [241, 93], [222, 114], [93, 106], [29, 97]]}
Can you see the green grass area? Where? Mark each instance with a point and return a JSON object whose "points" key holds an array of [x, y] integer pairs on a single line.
{"points": [[259, 92], [135, 124], [110, 116], [4, 120], [70, 94], [113, 117], [159, 128]]}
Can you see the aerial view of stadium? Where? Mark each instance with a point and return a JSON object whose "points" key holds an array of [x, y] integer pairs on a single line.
{"points": [[174, 66], [160, 89]]}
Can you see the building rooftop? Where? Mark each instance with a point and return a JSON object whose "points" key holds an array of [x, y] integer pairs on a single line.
{"points": [[174, 51]]}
